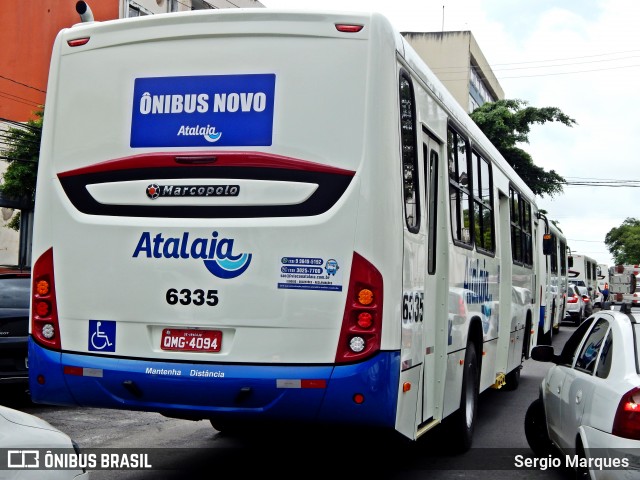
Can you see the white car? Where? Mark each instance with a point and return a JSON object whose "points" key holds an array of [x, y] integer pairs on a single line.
{"points": [[576, 306], [25, 440], [588, 410]]}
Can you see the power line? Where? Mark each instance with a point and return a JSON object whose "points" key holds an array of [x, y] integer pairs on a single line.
{"points": [[23, 84], [462, 69], [18, 99]]}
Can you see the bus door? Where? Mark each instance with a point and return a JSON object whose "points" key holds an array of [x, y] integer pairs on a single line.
{"points": [[431, 150]]}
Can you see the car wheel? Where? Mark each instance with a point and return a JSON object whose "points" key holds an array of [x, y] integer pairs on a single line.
{"points": [[535, 429], [464, 419], [582, 472]]}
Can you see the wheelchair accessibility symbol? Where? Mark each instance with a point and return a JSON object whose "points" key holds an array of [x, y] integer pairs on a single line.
{"points": [[102, 336]]}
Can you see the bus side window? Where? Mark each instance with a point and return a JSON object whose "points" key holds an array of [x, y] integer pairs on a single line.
{"points": [[459, 188], [483, 204], [521, 238], [409, 154], [432, 202]]}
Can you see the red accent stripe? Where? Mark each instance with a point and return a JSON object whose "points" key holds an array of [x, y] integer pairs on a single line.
{"points": [[222, 159], [73, 370], [313, 384]]}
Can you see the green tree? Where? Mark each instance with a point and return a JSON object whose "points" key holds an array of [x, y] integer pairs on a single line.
{"points": [[623, 242], [22, 150], [508, 122]]}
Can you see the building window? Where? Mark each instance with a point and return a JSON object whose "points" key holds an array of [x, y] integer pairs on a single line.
{"points": [[479, 94], [134, 9]]}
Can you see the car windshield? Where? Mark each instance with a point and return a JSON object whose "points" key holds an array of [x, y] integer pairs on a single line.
{"points": [[14, 292]]}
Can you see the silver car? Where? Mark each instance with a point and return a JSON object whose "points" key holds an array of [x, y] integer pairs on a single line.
{"points": [[577, 308]]}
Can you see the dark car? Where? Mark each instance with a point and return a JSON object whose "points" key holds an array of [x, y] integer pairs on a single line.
{"points": [[15, 288]]}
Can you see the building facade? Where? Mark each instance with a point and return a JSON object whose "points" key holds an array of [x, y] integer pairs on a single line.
{"points": [[458, 62], [29, 28]]}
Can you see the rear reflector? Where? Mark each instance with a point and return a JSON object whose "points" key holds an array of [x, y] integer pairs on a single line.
{"points": [[82, 372], [300, 383], [346, 28]]}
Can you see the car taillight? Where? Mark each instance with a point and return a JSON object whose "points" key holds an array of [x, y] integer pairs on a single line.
{"points": [[585, 299], [362, 320], [627, 421], [572, 299], [44, 311]]}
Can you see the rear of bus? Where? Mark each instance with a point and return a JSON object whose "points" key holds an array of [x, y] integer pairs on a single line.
{"points": [[205, 228]]}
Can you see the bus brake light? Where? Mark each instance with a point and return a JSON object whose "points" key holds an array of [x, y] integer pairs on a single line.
{"points": [[362, 320], [44, 314]]}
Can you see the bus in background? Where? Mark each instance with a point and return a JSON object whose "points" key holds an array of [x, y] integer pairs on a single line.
{"points": [[583, 272], [271, 240], [604, 279], [619, 291], [553, 288]]}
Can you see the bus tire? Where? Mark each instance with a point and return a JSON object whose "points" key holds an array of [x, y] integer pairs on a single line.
{"points": [[555, 328], [512, 379], [464, 419], [225, 427], [535, 429]]}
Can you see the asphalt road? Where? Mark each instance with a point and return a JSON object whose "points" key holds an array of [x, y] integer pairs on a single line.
{"points": [[180, 449]]}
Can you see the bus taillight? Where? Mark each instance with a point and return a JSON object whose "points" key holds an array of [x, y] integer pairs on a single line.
{"points": [[44, 311], [362, 320]]}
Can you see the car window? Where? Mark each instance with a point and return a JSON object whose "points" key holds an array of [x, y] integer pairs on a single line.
{"points": [[14, 292], [572, 344], [604, 364], [586, 360]]}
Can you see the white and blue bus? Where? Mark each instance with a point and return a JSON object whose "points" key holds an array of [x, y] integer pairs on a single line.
{"points": [[553, 290], [247, 215]]}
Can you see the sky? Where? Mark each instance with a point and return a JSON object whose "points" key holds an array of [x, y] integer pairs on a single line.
{"points": [[581, 56]]}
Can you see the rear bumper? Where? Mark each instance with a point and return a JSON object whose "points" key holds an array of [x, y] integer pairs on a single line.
{"points": [[613, 457], [312, 393]]}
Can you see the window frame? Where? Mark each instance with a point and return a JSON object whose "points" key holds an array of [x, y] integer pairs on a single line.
{"points": [[521, 227], [409, 159], [456, 187], [479, 181]]}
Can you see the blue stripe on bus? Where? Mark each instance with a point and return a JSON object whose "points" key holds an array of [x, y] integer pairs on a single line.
{"points": [[210, 390], [541, 321]]}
